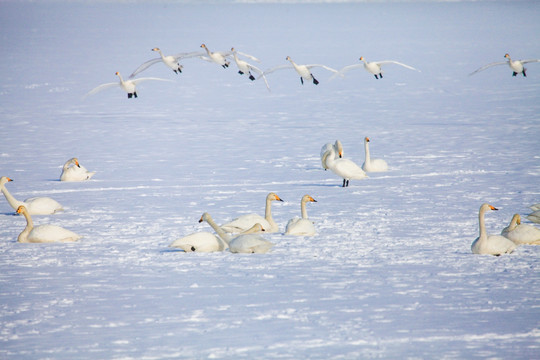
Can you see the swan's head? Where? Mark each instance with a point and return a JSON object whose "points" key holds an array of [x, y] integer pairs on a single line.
{"points": [[361, 58], [205, 217], [507, 56], [155, 49], [486, 206], [76, 161], [307, 198], [518, 219], [4, 180], [21, 209], [288, 58], [273, 196], [117, 73], [203, 46], [339, 148], [366, 139], [232, 49]]}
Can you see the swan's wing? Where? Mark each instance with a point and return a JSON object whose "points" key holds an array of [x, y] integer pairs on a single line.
{"points": [[188, 55], [529, 61], [280, 67], [144, 66], [341, 72], [323, 66], [488, 66], [260, 73], [101, 88], [248, 56], [397, 63], [136, 81]]}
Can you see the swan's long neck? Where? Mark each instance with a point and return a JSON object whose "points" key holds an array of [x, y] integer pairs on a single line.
{"points": [[161, 54], [14, 203], [482, 224], [268, 212], [514, 222], [303, 209], [328, 158], [121, 78], [23, 236], [366, 148], [222, 234]]}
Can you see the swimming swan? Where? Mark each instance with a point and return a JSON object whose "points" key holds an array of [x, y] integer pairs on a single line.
{"points": [[35, 205], [77, 172], [344, 168], [373, 67], [127, 85], [515, 65], [302, 226], [534, 216], [490, 244], [521, 233], [43, 233], [302, 70], [219, 58], [201, 241], [245, 68], [244, 222], [372, 165], [338, 149], [170, 61]]}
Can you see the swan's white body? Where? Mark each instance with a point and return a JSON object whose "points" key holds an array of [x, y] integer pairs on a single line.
{"points": [[35, 205], [344, 168], [302, 226], [129, 86], [372, 165], [43, 233], [202, 241], [218, 57], [302, 70], [534, 216], [171, 61], [245, 222], [77, 172], [490, 244], [338, 149], [373, 67], [515, 65], [521, 233], [245, 68]]}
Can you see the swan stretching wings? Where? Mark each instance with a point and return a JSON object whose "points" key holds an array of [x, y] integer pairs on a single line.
{"points": [[170, 60], [245, 68], [515, 65], [338, 150], [373, 67], [77, 172], [344, 168], [43, 233], [302, 226], [302, 70], [35, 205], [127, 85], [490, 244]]}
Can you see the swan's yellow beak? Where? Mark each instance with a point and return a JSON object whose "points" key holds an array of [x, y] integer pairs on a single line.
{"points": [[201, 220], [493, 208], [8, 179]]}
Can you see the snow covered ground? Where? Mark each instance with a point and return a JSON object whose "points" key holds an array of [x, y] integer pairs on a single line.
{"points": [[390, 274]]}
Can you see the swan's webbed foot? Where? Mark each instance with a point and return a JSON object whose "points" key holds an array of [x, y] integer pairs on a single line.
{"points": [[240, 72], [193, 248], [380, 75], [345, 183], [514, 73], [251, 77], [226, 65], [133, 94], [523, 72], [315, 81]]}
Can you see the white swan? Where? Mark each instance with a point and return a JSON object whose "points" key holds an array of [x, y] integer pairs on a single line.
{"points": [[490, 244], [43, 233], [128, 86], [535, 207], [338, 149], [245, 68], [35, 205], [170, 61], [373, 67], [372, 165], [521, 233], [202, 241], [244, 222], [344, 168], [302, 70], [515, 65], [534, 216], [77, 172], [218, 57], [302, 226]]}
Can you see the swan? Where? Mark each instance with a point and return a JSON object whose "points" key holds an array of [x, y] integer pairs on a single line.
{"points": [[202, 241], [302, 70], [521, 233], [127, 85], [245, 68], [77, 172], [302, 226], [534, 216], [338, 149], [43, 233], [373, 67], [535, 207], [170, 60], [345, 168], [490, 244], [219, 58], [35, 205], [372, 165], [515, 65], [247, 242], [244, 222]]}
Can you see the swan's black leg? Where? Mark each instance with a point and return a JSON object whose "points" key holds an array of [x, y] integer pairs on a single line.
{"points": [[376, 77], [135, 93], [130, 95], [380, 75], [524, 72], [315, 81], [514, 73], [251, 77], [302, 80], [240, 72], [344, 181]]}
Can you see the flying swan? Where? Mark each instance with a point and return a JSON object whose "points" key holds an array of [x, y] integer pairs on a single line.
{"points": [[373, 67], [490, 244], [43, 233], [372, 165], [344, 168], [35, 205], [515, 65], [218, 57], [244, 222], [302, 70], [127, 85], [338, 149], [245, 68], [170, 61], [77, 172], [521, 233], [302, 226]]}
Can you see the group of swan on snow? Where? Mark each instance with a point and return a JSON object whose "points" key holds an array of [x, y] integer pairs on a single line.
{"points": [[245, 68]]}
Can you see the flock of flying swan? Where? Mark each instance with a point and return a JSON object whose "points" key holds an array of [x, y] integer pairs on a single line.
{"points": [[223, 59]]}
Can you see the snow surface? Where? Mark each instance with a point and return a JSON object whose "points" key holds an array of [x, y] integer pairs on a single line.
{"points": [[390, 275]]}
